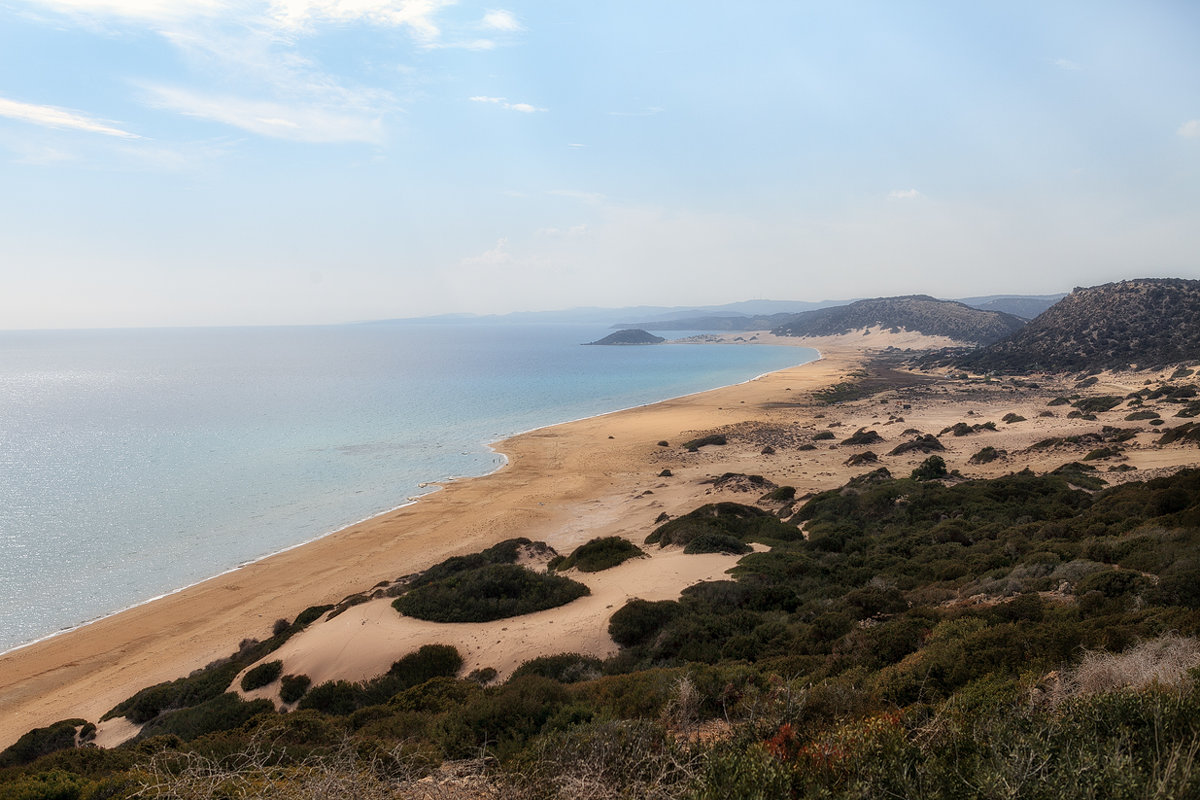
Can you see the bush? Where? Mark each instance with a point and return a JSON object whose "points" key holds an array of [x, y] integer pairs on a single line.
{"points": [[862, 437], [713, 542], [601, 554], [638, 620], [930, 468], [780, 494], [821, 436], [1092, 405], [742, 522], [336, 698], [41, 741], [986, 455], [564, 668], [429, 661], [293, 687], [486, 593], [261, 675], [222, 713], [695, 444]]}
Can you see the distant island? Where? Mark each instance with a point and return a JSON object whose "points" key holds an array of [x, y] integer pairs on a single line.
{"points": [[630, 336]]}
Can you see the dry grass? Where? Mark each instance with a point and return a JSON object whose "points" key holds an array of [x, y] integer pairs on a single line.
{"points": [[1161, 663]]}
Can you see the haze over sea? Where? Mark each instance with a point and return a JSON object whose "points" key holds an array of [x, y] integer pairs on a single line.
{"points": [[136, 462]]}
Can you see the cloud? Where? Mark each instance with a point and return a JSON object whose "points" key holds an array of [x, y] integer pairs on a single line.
{"points": [[1067, 64], [1190, 129], [416, 15], [496, 257], [501, 20], [575, 144], [524, 108], [471, 44], [146, 10], [904, 194], [54, 117], [575, 194], [646, 112], [300, 123]]}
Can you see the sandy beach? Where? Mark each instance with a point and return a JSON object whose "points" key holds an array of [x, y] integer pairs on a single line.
{"points": [[563, 485]]}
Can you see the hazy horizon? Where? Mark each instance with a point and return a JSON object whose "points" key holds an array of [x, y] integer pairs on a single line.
{"points": [[279, 162]]}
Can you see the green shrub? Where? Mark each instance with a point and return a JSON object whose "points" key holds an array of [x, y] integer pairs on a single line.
{"points": [[428, 661], [486, 593], [1092, 405], [1012, 418], [222, 713], [601, 554], [41, 741], [693, 445], [930, 468], [52, 785], [293, 687], [713, 542], [780, 494], [637, 620], [261, 675], [742, 522], [862, 437], [336, 698], [564, 668]]}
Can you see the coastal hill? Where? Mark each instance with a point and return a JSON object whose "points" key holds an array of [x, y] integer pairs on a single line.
{"points": [[628, 337], [916, 313], [1141, 323]]}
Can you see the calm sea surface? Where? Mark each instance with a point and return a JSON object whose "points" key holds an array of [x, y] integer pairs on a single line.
{"points": [[133, 463]]}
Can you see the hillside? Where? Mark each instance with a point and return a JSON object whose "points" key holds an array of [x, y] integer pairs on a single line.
{"points": [[1146, 322], [628, 337], [1023, 306], [917, 313]]}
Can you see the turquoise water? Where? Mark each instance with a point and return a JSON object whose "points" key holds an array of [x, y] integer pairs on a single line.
{"points": [[133, 463]]}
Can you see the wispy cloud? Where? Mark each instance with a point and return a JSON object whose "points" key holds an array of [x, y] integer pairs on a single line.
{"points": [[524, 108], [575, 194], [501, 20], [295, 122], [1190, 129], [63, 118], [575, 144], [1067, 64], [158, 11], [419, 16], [462, 44], [496, 257], [904, 194], [645, 112]]}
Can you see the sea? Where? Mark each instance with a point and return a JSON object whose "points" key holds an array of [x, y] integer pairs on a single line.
{"points": [[137, 462]]}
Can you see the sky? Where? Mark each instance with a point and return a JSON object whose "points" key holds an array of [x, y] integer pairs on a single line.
{"points": [[216, 162]]}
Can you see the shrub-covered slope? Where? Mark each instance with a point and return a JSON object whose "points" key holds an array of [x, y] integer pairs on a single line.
{"points": [[1148, 323], [1016, 636], [918, 313]]}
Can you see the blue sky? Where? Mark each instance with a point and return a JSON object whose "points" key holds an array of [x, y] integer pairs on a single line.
{"points": [[307, 161]]}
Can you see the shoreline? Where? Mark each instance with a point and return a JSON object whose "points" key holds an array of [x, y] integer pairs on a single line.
{"points": [[435, 485], [38, 673]]}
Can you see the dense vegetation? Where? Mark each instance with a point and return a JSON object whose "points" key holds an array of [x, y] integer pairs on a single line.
{"points": [[918, 313], [1011, 637], [600, 554], [1103, 327]]}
